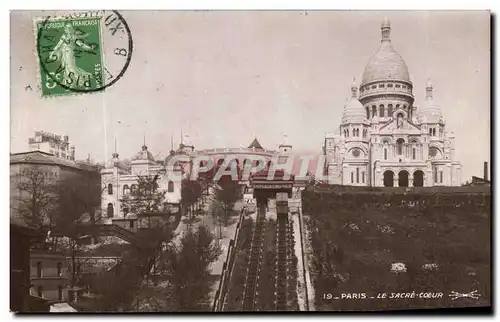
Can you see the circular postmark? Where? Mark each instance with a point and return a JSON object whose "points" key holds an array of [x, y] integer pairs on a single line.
{"points": [[82, 52]]}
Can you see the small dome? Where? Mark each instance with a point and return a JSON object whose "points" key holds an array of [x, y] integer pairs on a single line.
{"points": [[144, 154], [430, 111], [386, 64], [354, 112]]}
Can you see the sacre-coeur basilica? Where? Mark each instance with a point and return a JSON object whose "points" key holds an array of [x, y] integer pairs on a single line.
{"points": [[384, 139]]}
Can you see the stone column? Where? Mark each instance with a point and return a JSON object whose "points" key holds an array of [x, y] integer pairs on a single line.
{"points": [[410, 179]]}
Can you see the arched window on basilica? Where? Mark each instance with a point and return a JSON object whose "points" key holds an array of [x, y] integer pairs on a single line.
{"points": [[381, 111], [367, 112], [385, 153], [352, 177], [170, 186], [414, 153], [357, 175], [363, 177], [389, 110], [374, 111], [110, 189], [399, 144]]}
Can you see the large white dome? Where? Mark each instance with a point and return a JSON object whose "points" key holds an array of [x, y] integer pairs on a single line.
{"points": [[386, 64]]}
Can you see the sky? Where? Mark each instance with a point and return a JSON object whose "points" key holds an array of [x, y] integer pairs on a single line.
{"points": [[224, 77]]}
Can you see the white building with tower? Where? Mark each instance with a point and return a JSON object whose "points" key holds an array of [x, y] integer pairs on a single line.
{"points": [[384, 139], [118, 180]]}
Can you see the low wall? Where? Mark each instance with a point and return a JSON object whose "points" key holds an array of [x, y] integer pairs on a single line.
{"points": [[227, 267]]}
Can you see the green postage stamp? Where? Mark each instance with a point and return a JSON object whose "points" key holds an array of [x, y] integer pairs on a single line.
{"points": [[81, 52], [70, 54]]}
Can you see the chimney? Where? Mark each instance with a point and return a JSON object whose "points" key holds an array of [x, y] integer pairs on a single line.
{"points": [[486, 171]]}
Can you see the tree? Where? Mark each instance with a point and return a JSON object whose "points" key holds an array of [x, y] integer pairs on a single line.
{"points": [[191, 191], [38, 197], [227, 193], [145, 198], [187, 269], [78, 206]]}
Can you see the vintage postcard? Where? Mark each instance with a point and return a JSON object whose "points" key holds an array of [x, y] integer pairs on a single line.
{"points": [[249, 161]]}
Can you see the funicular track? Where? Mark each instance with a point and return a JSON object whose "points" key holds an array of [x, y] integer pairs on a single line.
{"points": [[254, 261], [282, 252]]}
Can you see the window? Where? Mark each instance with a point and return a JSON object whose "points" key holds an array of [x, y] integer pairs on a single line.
{"points": [[404, 86], [110, 210], [434, 132], [389, 110], [125, 211], [398, 86], [131, 224], [39, 269], [433, 152], [110, 189], [367, 112], [385, 154], [381, 111], [353, 132], [374, 86], [389, 85], [400, 143], [170, 186], [40, 291], [352, 177], [414, 153], [363, 177], [374, 111], [355, 153], [126, 190], [59, 269], [404, 106], [133, 188], [430, 131], [381, 86], [441, 176], [357, 175], [397, 106], [435, 175]]}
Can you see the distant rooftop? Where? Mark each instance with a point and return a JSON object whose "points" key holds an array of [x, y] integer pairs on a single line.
{"points": [[255, 144], [40, 157]]}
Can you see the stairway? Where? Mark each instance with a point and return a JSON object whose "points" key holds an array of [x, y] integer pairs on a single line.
{"points": [[281, 267], [254, 262]]}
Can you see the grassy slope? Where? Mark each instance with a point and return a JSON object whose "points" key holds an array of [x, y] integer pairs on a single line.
{"points": [[355, 243]]}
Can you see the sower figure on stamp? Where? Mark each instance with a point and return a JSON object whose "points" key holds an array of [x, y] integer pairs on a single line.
{"points": [[65, 52]]}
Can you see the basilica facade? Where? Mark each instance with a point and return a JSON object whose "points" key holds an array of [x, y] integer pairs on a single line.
{"points": [[383, 138]]}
